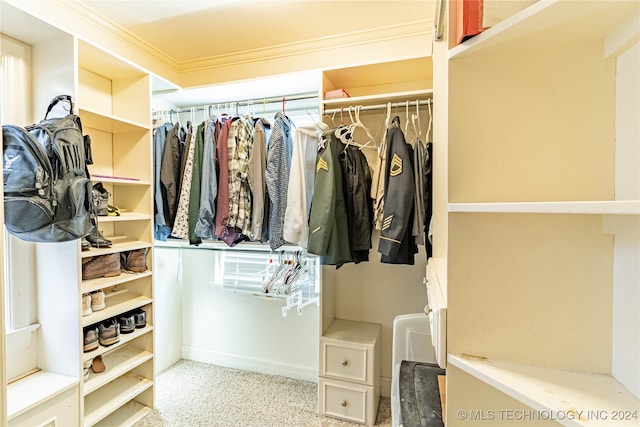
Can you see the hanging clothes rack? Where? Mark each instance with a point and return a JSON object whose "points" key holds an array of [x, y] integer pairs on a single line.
{"points": [[381, 106], [293, 102]]}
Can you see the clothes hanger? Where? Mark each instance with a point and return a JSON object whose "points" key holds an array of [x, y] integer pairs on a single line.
{"points": [[357, 123]]}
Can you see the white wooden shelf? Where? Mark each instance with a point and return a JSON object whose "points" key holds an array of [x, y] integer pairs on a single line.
{"points": [[126, 415], [577, 398], [120, 180], [124, 340], [547, 23], [125, 216], [33, 390], [105, 282], [119, 245], [117, 363], [617, 207], [118, 304], [109, 398], [107, 122], [410, 95]]}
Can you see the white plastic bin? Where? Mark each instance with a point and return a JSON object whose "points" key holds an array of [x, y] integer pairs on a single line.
{"points": [[411, 341]]}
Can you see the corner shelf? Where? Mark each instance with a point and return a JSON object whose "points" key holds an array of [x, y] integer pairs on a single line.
{"points": [[547, 24], [581, 396]]}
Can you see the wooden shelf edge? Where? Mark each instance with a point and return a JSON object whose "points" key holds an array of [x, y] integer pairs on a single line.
{"points": [[613, 207], [92, 116], [570, 393], [106, 282]]}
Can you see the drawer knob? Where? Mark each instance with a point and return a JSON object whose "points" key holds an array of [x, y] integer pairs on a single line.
{"points": [[343, 403], [344, 363]]}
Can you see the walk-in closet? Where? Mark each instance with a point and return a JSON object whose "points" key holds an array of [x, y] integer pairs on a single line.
{"points": [[311, 213]]}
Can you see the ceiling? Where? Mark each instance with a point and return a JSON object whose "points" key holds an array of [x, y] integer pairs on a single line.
{"points": [[189, 30]]}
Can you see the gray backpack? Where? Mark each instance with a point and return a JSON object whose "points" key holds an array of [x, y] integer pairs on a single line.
{"points": [[47, 191]]}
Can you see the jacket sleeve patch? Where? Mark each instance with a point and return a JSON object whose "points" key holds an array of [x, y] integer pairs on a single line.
{"points": [[322, 164], [396, 165], [386, 223]]}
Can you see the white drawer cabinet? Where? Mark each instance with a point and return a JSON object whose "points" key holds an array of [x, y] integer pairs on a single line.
{"points": [[349, 371]]}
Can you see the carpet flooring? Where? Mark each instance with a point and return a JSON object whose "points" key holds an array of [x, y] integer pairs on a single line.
{"points": [[194, 394]]}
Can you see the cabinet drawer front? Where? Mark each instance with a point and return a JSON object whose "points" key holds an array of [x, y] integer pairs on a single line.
{"points": [[346, 363], [346, 401]]}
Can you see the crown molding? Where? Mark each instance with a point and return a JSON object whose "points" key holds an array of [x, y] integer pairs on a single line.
{"points": [[117, 32], [422, 28]]}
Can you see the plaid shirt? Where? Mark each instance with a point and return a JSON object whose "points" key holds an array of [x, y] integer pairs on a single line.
{"points": [[239, 144]]}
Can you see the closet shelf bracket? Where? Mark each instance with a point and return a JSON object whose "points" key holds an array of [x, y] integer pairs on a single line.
{"points": [[297, 301]]}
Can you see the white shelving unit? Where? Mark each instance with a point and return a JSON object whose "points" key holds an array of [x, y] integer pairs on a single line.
{"points": [[345, 391], [112, 98], [114, 104], [573, 398], [543, 218]]}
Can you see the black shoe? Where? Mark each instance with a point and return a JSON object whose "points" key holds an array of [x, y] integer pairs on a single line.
{"points": [[85, 244], [127, 323], [140, 317], [97, 240], [100, 199]]}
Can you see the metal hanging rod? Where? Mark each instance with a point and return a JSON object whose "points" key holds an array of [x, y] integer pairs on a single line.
{"points": [[247, 102], [379, 106]]}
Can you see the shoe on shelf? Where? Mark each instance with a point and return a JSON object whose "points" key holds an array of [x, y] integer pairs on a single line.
{"points": [[134, 261], [113, 210], [85, 244], [91, 338], [87, 365], [97, 240], [127, 323], [101, 266], [97, 365], [140, 318], [109, 332], [86, 305], [100, 199], [98, 300]]}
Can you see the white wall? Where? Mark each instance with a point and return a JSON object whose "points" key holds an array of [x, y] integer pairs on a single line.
{"points": [[224, 328]]}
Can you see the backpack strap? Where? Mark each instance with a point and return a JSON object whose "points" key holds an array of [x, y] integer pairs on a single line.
{"points": [[57, 99]]}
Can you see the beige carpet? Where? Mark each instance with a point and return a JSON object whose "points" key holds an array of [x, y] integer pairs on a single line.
{"points": [[191, 394]]}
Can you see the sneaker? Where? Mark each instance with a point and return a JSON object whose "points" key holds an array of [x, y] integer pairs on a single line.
{"points": [[97, 300], [91, 339], [85, 244], [101, 266], [140, 317], [97, 365], [109, 332], [87, 365], [86, 305], [134, 261], [127, 323]]}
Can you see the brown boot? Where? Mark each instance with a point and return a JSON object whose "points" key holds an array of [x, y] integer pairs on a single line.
{"points": [[135, 261], [101, 266]]}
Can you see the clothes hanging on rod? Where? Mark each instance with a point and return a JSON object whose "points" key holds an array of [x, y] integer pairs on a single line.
{"points": [[397, 244], [241, 178]]}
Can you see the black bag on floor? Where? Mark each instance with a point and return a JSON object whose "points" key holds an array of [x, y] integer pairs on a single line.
{"points": [[47, 192]]}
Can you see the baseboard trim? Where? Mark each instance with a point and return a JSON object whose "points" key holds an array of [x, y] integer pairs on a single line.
{"points": [[253, 364]]}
